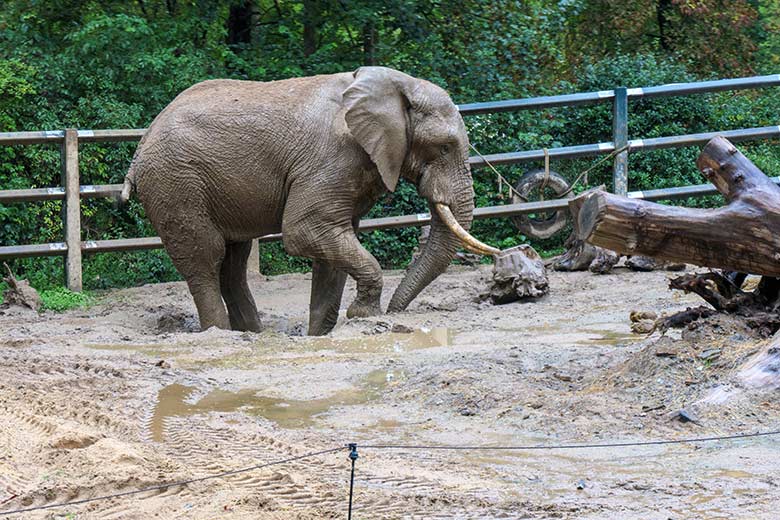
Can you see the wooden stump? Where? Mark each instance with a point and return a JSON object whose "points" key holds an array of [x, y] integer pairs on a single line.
{"points": [[579, 254], [518, 273], [742, 236], [20, 292]]}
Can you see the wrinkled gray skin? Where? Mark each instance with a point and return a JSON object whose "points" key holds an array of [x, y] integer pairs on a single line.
{"points": [[228, 161]]}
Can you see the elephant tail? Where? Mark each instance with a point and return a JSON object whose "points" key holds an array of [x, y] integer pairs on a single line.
{"points": [[127, 188]]}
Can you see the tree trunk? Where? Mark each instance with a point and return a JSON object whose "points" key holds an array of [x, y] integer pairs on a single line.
{"points": [[311, 20], [369, 43], [662, 11], [239, 23], [742, 236]]}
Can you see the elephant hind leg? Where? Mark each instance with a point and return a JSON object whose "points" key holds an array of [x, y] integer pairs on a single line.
{"points": [[197, 253], [241, 308], [327, 287]]}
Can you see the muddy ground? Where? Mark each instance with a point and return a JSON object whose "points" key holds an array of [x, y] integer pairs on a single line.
{"points": [[124, 395]]}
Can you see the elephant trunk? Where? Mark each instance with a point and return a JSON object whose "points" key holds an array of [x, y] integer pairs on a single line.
{"points": [[440, 248]]}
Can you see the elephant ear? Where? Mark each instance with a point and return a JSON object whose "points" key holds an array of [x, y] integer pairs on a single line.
{"points": [[377, 118]]}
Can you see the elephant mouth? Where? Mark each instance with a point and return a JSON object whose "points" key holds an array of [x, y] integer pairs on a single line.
{"points": [[469, 242]]}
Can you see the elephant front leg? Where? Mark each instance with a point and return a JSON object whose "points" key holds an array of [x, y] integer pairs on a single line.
{"points": [[369, 290], [340, 249], [347, 254], [327, 286]]}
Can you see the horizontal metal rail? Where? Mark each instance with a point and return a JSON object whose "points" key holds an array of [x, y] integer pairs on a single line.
{"points": [[590, 98], [535, 103], [702, 87], [421, 219], [58, 193], [564, 152], [85, 136], [636, 145]]}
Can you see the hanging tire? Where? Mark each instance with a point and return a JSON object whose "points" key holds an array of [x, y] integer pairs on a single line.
{"points": [[540, 225]]}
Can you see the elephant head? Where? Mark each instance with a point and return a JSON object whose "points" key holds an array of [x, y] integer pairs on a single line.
{"points": [[410, 128]]}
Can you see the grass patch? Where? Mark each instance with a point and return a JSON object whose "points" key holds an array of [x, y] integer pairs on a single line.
{"points": [[61, 299]]}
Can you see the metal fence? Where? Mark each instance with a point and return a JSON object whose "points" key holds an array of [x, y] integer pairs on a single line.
{"points": [[71, 191]]}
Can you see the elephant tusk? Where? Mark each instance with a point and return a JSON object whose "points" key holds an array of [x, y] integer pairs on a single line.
{"points": [[469, 242]]}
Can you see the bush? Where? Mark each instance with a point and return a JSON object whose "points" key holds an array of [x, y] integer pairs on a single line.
{"points": [[61, 299]]}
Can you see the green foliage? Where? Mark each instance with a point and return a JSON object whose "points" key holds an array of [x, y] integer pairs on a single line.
{"points": [[116, 64], [274, 260], [710, 35], [648, 118], [61, 299]]}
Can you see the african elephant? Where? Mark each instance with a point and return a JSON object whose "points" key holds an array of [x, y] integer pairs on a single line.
{"points": [[228, 161]]}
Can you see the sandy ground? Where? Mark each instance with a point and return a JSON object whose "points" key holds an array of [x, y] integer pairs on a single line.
{"points": [[124, 395]]}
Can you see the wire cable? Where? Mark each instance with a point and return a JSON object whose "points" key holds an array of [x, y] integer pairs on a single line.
{"points": [[172, 484], [572, 446]]}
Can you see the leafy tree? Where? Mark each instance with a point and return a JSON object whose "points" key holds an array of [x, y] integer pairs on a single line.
{"points": [[714, 36]]}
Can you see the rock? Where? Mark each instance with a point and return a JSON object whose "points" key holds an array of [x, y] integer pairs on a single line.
{"points": [[162, 364], [646, 263], [642, 315], [643, 327], [643, 263], [518, 273], [604, 261], [710, 354], [684, 416], [562, 377], [467, 411], [379, 327], [401, 329], [667, 351]]}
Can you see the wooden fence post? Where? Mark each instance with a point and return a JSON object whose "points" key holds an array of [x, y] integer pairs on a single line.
{"points": [[72, 209], [620, 139]]}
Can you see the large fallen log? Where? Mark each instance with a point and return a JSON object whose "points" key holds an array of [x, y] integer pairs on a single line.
{"points": [[742, 236]]}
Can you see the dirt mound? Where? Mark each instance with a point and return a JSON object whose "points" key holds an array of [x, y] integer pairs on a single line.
{"points": [[122, 395]]}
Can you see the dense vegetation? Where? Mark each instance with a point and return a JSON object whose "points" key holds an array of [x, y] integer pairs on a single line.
{"points": [[115, 64]]}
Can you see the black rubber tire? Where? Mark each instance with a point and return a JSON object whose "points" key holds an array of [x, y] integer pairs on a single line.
{"points": [[552, 223]]}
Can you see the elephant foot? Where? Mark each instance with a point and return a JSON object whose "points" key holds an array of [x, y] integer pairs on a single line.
{"points": [[320, 324], [245, 322], [360, 309]]}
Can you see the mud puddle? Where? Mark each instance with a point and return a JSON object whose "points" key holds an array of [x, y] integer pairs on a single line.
{"points": [[172, 401], [385, 342], [272, 347], [558, 333]]}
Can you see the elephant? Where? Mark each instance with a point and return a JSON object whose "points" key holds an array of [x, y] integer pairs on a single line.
{"points": [[231, 160]]}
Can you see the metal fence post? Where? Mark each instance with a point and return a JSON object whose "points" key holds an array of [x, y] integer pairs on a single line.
{"points": [[620, 139], [253, 263], [72, 209]]}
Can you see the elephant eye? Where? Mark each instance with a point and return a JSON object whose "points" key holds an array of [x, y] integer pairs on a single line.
{"points": [[445, 149]]}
